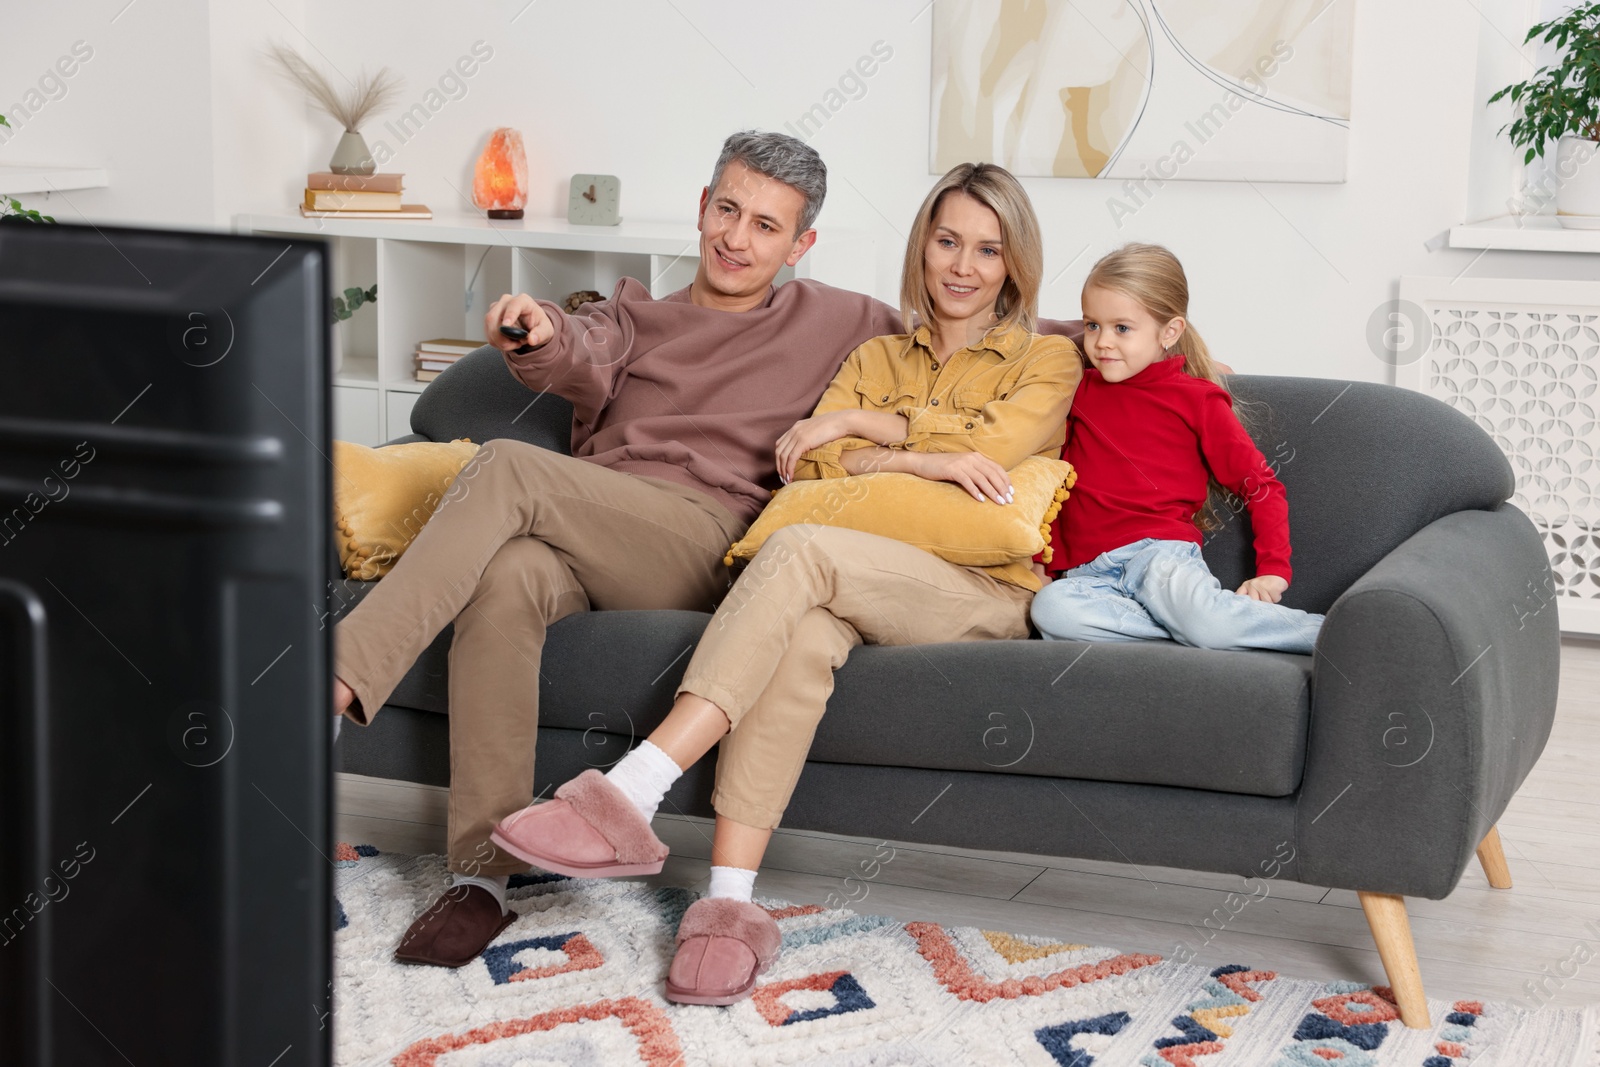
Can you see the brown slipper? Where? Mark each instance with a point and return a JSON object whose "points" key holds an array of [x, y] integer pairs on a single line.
{"points": [[455, 928]]}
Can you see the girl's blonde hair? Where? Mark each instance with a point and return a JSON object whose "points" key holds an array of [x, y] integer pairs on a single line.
{"points": [[1152, 276], [1021, 244]]}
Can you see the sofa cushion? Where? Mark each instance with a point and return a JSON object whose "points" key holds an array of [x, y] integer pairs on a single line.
{"points": [[382, 497], [1151, 713]]}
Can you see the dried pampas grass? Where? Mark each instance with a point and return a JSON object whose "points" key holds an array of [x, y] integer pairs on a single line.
{"points": [[369, 94]]}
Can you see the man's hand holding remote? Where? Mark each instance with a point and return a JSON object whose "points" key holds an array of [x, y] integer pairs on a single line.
{"points": [[520, 313]]}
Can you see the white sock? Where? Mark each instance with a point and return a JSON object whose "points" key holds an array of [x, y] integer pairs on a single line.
{"points": [[496, 885], [732, 883], [644, 776]]}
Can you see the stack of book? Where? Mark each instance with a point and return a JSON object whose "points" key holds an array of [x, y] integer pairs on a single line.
{"points": [[437, 355], [357, 196]]}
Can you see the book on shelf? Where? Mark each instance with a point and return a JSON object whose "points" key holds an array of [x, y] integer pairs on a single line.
{"points": [[342, 200], [407, 211], [377, 183], [450, 346], [439, 354]]}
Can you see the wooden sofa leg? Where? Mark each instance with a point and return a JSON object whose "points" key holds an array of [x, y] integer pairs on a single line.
{"points": [[1391, 929], [1493, 858]]}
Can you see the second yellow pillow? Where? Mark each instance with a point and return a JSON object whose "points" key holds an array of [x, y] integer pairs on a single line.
{"points": [[382, 497], [938, 517]]}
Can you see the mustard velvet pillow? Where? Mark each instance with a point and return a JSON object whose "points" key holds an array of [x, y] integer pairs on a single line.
{"points": [[938, 517], [383, 497]]}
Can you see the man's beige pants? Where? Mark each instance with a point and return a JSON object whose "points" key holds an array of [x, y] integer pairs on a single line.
{"points": [[808, 597], [525, 537]]}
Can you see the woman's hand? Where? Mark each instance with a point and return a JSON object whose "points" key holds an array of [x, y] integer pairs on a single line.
{"points": [[1043, 575], [807, 434], [973, 471], [1267, 587]]}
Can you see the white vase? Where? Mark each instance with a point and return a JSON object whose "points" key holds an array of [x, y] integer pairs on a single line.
{"points": [[1577, 174], [336, 352]]}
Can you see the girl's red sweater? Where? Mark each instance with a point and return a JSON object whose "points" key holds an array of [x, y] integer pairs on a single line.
{"points": [[1142, 449]]}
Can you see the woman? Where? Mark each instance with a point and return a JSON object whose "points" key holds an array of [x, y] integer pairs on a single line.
{"points": [[965, 397]]}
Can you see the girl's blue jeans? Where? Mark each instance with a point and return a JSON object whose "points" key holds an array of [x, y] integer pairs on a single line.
{"points": [[1162, 590]]}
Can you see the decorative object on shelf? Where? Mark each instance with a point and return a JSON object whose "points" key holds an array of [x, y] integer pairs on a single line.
{"points": [[1561, 103], [358, 196], [438, 355], [595, 200], [13, 209], [576, 300], [320, 180], [500, 180], [339, 200], [370, 94], [343, 307], [407, 211]]}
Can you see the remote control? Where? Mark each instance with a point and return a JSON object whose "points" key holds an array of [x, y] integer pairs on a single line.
{"points": [[517, 333]]}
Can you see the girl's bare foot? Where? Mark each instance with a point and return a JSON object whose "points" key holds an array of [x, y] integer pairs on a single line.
{"points": [[343, 696]]}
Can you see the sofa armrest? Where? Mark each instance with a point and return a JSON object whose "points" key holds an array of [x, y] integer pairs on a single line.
{"points": [[1433, 695], [406, 440]]}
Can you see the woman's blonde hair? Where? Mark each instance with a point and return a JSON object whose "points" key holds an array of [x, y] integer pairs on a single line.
{"points": [[1152, 276], [1022, 245]]}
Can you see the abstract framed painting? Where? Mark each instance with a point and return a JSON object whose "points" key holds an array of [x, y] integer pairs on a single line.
{"points": [[1257, 90]]}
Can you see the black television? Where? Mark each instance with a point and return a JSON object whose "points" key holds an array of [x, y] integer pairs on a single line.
{"points": [[165, 548]]}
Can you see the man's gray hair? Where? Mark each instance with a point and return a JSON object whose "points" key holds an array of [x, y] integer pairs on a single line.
{"points": [[781, 158]]}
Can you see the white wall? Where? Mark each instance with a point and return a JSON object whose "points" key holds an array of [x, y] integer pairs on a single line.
{"points": [[1284, 277], [140, 105]]}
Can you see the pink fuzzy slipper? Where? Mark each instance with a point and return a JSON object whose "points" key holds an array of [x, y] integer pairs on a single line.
{"points": [[723, 947], [590, 830]]}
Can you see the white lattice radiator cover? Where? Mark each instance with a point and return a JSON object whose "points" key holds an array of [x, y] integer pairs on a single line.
{"points": [[1521, 358]]}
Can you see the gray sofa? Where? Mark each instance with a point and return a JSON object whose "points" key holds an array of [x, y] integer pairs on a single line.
{"points": [[1382, 761]]}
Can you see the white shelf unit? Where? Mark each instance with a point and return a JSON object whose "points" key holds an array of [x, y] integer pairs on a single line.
{"points": [[436, 278]]}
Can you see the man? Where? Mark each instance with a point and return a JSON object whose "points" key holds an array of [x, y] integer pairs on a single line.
{"points": [[677, 405]]}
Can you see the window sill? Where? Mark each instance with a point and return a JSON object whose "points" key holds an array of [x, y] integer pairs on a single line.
{"points": [[1524, 233]]}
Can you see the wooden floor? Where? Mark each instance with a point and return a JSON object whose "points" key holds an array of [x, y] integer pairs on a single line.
{"points": [[1478, 942]]}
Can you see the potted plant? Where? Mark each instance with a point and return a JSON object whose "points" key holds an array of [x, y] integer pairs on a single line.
{"points": [[1561, 103], [343, 307], [13, 209]]}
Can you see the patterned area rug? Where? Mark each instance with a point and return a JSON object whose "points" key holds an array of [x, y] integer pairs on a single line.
{"points": [[577, 980]]}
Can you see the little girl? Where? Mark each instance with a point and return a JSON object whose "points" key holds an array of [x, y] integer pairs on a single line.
{"points": [[1148, 424]]}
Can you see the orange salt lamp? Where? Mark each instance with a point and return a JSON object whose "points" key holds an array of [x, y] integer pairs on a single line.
{"points": [[500, 180]]}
